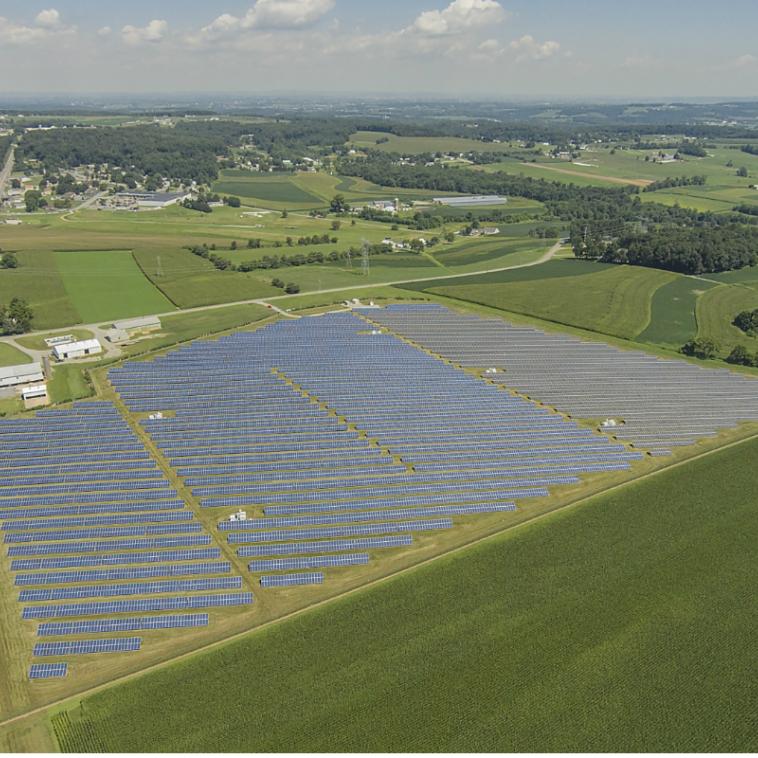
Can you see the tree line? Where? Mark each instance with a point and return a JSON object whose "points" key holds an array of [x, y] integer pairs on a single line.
{"points": [[675, 181]]}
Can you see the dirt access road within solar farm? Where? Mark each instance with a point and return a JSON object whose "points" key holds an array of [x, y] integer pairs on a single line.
{"points": [[585, 175], [216, 644]]}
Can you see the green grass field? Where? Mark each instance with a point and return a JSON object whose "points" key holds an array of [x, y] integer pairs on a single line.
{"points": [[107, 285], [279, 189], [10, 356], [673, 318], [623, 624]]}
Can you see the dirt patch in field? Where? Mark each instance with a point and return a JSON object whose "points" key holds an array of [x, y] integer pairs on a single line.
{"points": [[615, 179]]}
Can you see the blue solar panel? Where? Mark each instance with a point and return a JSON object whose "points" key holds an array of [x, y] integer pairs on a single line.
{"points": [[288, 580], [97, 547], [115, 559], [86, 647], [316, 561], [47, 670], [116, 531], [136, 606], [132, 588], [342, 531], [99, 626], [321, 546], [105, 575]]}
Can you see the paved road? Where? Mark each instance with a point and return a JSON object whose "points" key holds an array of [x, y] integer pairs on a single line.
{"points": [[270, 302], [7, 170]]}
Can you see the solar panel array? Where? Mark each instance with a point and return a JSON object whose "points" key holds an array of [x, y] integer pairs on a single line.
{"points": [[48, 670], [328, 431], [87, 513], [587, 379], [290, 580], [87, 647]]}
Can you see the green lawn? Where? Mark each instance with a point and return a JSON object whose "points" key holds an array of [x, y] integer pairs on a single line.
{"points": [[11, 356], [68, 383], [104, 285], [622, 625]]}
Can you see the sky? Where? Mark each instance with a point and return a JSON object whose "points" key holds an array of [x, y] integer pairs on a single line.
{"points": [[452, 48]]}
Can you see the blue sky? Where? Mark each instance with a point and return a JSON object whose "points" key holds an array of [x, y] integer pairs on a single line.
{"points": [[499, 48]]}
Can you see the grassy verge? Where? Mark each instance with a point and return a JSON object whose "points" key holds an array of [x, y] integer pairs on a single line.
{"points": [[10, 356], [620, 625]]}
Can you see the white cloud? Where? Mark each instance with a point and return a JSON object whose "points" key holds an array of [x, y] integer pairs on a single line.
{"points": [[49, 19], [47, 24], [154, 32], [104, 31], [286, 14], [745, 60], [264, 15], [527, 48], [459, 17]]}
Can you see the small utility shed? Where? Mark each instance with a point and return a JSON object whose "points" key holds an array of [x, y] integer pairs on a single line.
{"points": [[77, 349], [10, 376]]}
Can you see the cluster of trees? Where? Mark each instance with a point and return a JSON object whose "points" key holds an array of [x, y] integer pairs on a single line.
{"points": [[691, 148], [747, 321], [741, 356], [750, 149], [695, 250], [749, 210], [703, 348], [16, 317], [8, 260], [185, 153], [290, 287], [419, 221], [33, 201], [675, 181]]}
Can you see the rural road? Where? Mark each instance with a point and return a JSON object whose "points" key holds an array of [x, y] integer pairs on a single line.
{"points": [[7, 170], [269, 302]]}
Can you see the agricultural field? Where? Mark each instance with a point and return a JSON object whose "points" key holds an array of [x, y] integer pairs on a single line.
{"points": [[602, 166], [609, 641]]}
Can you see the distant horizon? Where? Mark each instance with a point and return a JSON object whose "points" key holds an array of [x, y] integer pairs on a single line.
{"points": [[494, 49]]}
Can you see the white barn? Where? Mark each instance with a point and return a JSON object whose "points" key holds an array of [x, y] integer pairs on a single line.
{"points": [[77, 349], [28, 373]]}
